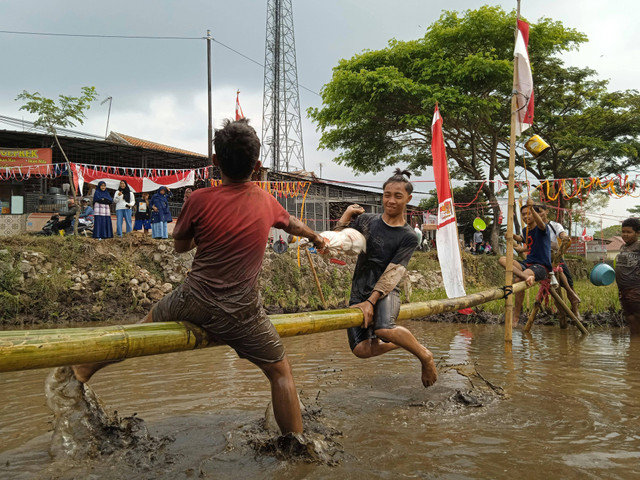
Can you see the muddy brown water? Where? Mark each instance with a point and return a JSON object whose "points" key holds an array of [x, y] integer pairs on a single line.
{"points": [[570, 409]]}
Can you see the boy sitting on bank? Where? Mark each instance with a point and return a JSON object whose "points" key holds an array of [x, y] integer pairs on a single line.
{"points": [[537, 264]]}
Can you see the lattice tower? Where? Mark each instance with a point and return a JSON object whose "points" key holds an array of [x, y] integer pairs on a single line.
{"points": [[281, 125]]}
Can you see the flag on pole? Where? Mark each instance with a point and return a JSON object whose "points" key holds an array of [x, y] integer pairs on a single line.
{"points": [[447, 234], [524, 81], [239, 113]]}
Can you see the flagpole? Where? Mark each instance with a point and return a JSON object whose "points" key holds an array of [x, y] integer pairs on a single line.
{"points": [[508, 280]]}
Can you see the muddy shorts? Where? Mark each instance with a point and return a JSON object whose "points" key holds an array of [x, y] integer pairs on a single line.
{"points": [[385, 313], [243, 326], [539, 271], [630, 301]]}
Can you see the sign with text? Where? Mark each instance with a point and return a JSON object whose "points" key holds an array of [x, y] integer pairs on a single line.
{"points": [[26, 160]]}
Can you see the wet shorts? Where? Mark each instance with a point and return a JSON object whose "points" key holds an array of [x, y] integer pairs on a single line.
{"points": [[539, 271], [245, 328], [385, 313], [630, 301]]}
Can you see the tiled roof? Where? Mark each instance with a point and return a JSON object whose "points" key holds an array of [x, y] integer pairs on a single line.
{"points": [[616, 243], [138, 142]]}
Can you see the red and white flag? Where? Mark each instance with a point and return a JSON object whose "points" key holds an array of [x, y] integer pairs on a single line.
{"points": [[447, 234], [239, 113], [524, 80], [584, 237]]}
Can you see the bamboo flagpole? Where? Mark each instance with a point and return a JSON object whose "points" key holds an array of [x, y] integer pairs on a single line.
{"points": [[30, 349], [521, 119]]}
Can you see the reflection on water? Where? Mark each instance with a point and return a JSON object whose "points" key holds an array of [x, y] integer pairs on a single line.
{"points": [[572, 409]]}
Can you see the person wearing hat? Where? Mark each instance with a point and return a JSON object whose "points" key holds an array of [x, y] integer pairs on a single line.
{"points": [[87, 211]]}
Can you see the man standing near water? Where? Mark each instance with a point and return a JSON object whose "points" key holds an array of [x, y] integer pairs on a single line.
{"points": [[628, 274], [229, 226], [374, 289]]}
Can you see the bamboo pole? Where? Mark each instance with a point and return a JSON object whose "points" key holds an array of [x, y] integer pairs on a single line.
{"points": [[315, 276], [568, 311], [29, 349], [508, 278], [532, 316]]}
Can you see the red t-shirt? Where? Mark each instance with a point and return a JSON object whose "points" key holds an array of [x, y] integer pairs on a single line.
{"points": [[230, 225]]}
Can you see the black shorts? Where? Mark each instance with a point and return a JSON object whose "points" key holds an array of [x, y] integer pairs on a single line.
{"points": [[540, 272], [244, 327], [385, 313]]}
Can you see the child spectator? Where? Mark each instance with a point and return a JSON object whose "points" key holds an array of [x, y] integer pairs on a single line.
{"points": [[143, 214], [628, 274]]}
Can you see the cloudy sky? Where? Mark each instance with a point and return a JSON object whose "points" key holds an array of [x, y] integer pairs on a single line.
{"points": [[159, 87]]}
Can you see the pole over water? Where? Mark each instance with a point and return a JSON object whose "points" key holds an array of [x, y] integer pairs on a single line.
{"points": [[30, 349]]}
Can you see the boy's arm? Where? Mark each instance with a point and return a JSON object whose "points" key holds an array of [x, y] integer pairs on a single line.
{"points": [[536, 216], [296, 227], [345, 219]]}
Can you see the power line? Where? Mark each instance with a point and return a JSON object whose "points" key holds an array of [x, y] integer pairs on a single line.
{"points": [[143, 37]]}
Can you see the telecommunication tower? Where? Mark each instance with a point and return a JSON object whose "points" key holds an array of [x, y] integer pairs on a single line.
{"points": [[281, 126]]}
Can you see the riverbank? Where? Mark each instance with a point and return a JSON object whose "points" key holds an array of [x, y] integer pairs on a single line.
{"points": [[61, 281]]}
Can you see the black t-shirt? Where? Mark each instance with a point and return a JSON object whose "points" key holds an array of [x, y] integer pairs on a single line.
{"points": [[385, 245]]}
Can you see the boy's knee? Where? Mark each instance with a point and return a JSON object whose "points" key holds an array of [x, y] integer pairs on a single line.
{"points": [[362, 350], [502, 261]]}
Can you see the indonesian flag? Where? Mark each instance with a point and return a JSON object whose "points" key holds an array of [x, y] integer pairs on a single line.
{"points": [[447, 234], [584, 237], [524, 80], [147, 183], [239, 113]]}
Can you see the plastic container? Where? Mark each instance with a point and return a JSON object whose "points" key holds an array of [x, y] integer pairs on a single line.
{"points": [[602, 275], [479, 224]]}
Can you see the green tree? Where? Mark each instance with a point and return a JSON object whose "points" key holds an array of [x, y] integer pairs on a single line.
{"points": [[67, 113], [378, 107], [634, 210]]}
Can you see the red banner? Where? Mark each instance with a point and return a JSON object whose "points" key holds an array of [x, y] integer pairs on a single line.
{"points": [[26, 160]]}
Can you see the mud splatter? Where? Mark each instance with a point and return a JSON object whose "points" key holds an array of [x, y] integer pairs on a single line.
{"points": [[318, 444], [83, 430], [461, 386]]}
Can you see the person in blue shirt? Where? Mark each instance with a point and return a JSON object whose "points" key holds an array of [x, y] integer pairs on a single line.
{"points": [[160, 213], [537, 265]]}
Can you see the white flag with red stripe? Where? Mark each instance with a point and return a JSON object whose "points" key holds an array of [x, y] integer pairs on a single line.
{"points": [[239, 113], [524, 80], [447, 234]]}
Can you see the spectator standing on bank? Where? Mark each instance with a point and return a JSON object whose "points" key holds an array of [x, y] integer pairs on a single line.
{"points": [[102, 227], [477, 239], [160, 213], [124, 201]]}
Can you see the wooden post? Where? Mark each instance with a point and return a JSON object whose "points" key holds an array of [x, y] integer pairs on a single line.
{"points": [[209, 106], [532, 316], [315, 276]]}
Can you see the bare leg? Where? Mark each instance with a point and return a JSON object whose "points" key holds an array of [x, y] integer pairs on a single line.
{"points": [[402, 337], [517, 271], [286, 406], [85, 371], [571, 294], [372, 348], [634, 323]]}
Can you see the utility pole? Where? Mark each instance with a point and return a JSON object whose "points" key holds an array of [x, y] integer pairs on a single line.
{"points": [[108, 99], [210, 108]]}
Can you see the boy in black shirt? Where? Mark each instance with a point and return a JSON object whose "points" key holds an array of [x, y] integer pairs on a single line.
{"points": [[374, 289]]}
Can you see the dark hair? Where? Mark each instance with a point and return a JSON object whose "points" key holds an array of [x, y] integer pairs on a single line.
{"points": [[399, 177], [633, 223], [237, 148], [536, 206]]}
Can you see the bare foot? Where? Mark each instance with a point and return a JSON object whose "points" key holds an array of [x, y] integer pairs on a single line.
{"points": [[530, 280], [429, 371], [82, 372]]}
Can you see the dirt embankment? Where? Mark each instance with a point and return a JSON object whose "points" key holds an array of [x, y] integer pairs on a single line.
{"points": [[66, 280]]}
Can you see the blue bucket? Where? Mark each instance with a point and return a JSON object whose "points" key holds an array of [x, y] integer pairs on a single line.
{"points": [[602, 275]]}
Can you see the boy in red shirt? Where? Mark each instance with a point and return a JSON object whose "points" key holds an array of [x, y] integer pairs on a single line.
{"points": [[229, 225]]}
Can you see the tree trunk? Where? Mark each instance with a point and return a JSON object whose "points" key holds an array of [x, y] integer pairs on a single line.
{"points": [[73, 186]]}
